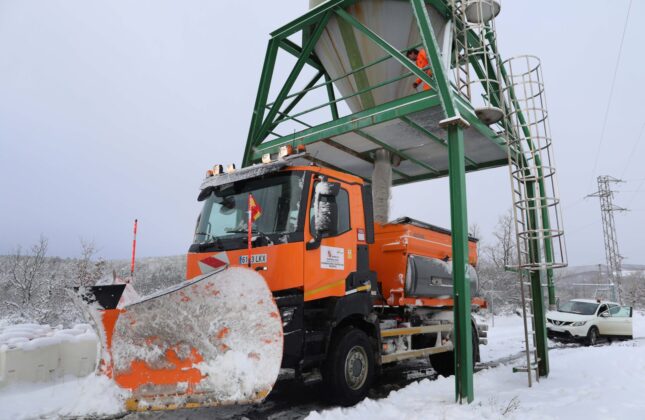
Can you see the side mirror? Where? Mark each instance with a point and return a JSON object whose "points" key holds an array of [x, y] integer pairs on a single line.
{"points": [[605, 314], [324, 212]]}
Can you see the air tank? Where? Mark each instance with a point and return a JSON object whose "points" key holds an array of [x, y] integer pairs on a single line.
{"points": [[341, 49]]}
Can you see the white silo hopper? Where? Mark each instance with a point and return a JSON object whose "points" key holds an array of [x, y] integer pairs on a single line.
{"points": [[342, 49]]}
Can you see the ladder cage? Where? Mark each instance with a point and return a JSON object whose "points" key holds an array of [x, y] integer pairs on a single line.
{"points": [[540, 242], [536, 200]]}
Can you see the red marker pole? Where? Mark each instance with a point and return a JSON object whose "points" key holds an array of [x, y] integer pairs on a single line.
{"points": [[250, 232], [134, 249]]}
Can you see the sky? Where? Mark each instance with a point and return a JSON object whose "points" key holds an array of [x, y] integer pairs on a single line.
{"points": [[113, 110]]}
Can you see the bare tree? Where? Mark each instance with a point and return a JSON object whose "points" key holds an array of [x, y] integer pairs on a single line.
{"points": [[25, 272], [502, 251], [474, 231], [497, 284], [635, 290], [88, 271]]}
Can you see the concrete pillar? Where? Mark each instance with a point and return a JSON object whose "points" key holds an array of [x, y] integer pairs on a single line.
{"points": [[382, 185]]}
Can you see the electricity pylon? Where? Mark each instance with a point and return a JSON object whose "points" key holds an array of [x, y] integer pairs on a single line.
{"points": [[607, 209]]}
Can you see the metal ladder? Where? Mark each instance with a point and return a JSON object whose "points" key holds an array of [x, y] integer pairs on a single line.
{"points": [[536, 205], [514, 92], [530, 347], [461, 60]]}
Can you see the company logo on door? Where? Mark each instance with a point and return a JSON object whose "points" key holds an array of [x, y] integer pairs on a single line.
{"points": [[255, 259], [332, 258]]}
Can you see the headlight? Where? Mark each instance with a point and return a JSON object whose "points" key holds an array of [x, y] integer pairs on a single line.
{"points": [[578, 324], [287, 314]]}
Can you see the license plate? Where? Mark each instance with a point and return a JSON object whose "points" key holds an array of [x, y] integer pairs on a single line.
{"points": [[255, 259]]}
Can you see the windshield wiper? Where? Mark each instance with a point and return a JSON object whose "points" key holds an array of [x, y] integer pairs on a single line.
{"points": [[212, 239], [260, 233]]}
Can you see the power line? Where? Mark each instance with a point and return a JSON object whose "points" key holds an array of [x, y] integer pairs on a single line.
{"points": [[633, 152], [611, 92], [638, 189], [579, 228]]}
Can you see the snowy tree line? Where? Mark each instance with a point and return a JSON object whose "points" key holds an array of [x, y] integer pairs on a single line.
{"points": [[35, 286], [501, 287]]}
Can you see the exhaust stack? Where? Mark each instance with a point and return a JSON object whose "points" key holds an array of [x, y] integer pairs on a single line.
{"points": [[382, 185]]}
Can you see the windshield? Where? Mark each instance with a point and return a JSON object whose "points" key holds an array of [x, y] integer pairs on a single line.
{"points": [[581, 308], [225, 212]]}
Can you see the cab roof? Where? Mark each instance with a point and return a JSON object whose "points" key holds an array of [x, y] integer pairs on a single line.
{"points": [[293, 162]]}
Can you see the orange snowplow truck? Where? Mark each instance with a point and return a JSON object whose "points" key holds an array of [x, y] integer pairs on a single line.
{"points": [[352, 295]]}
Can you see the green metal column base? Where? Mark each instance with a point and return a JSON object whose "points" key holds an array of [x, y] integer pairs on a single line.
{"points": [[541, 342], [463, 339]]}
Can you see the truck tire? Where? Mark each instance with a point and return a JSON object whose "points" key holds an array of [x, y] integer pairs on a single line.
{"points": [[349, 370], [444, 363], [592, 336]]}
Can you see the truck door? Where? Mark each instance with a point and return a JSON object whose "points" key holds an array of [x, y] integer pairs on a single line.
{"points": [[330, 238]]}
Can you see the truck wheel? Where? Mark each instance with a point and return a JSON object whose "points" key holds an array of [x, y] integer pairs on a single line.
{"points": [[592, 336], [349, 369], [444, 363]]}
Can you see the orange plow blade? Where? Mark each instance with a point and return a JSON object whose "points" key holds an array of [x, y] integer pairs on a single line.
{"points": [[210, 341]]}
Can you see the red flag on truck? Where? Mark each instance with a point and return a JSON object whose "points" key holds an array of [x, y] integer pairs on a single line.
{"points": [[255, 211], [254, 208]]}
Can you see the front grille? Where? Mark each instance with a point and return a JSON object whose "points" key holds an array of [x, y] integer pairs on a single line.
{"points": [[559, 323]]}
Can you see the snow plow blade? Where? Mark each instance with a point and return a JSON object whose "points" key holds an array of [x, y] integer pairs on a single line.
{"points": [[210, 341]]}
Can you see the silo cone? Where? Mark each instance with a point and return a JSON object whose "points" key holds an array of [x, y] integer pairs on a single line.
{"points": [[341, 49]]}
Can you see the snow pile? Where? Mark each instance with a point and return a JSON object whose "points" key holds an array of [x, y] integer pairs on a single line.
{"points": [[506, 338], [321, 209], [89, 396], [229, 318], [584, 383], [33, 336]]}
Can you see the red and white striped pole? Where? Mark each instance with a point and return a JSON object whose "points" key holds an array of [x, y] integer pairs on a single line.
{"points": [[250, 233], [134, 249]]}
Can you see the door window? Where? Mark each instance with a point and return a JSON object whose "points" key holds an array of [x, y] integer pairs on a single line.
{"points": [[602, 309], [621, 311], [341, 203]]}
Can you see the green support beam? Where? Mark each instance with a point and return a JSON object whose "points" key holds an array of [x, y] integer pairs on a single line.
{"points": [[363, 119], [434, 56], [454, 123], [295, 50], [295, 101], [332, 97], [267, 125], [261, 99], [461, 286]]}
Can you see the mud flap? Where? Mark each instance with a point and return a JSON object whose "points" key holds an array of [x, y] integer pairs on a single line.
{"points": [[210, 341]]}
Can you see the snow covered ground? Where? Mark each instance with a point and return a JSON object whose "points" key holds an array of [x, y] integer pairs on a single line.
{"points": [[605, 382], [71, 396]]}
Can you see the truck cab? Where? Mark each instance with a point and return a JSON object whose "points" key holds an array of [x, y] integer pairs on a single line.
{"points": [[338, 279]]}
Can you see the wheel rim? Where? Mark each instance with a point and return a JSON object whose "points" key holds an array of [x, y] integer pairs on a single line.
{"points": [[593, 337], [356, 367]]}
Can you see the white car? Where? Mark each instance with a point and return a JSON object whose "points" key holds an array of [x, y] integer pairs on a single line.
{"points": [[586, 320]]}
